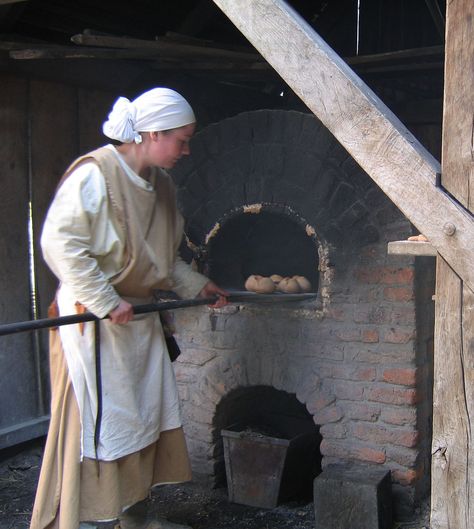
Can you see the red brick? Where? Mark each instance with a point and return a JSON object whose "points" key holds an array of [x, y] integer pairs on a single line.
{"points": [[401, 376], [308, 387], [369, 295], [408, 439], [333, 431], [398, 293], [349, 372], [399, 416], [380, 434], [374, 315], [348, 335], [368, 275], [319, 402], [326, 415], [370, 454], [401, 276], [343, 451], [370, 336], [362, 411], [403, 316], [406, 477], [398, 336], [347, 390], [400, 455], [369, 251], [328, 448], [392, 395], [336, 314], [367, 374], [401, 355]]}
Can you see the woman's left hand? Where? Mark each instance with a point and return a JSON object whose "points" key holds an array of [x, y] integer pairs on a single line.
{"points": [[211, 289]]}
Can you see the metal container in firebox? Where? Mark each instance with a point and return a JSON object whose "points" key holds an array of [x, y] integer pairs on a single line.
{"points": [[262, 470]]}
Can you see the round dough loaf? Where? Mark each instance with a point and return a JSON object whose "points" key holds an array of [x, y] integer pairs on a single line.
{"points": [[289, 285], [303, 282], [251, 283], [276, 278], [265, 286]]}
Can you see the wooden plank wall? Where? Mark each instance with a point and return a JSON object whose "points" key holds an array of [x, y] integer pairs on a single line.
{"points": [[452, 497], [54, 143], [48, 124], [17, 372]]}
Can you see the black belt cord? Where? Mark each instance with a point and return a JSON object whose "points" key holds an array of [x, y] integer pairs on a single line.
{"points": [[98, 379]]}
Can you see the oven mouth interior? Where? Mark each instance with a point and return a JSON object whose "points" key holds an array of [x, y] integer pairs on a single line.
{"points": [[263, 243]]}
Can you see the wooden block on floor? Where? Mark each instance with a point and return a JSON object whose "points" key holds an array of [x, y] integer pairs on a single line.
{"points": [[353, 497]]}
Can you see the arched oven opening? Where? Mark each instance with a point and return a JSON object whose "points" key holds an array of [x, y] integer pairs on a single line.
{"points": [[271, 417], [263, 239]]}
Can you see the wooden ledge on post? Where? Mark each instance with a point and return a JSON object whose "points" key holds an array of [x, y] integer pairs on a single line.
{"points": [[417, 248]]}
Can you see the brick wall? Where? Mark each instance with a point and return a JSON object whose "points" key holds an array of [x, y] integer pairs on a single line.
{"points": [[359, 357]]}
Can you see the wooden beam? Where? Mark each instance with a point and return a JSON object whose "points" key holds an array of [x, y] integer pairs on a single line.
{"points": [[458, 128], [69, 52], [163, 47], [428, 53], [452, 474], [437, 16], [367, 129], [210, 66]]}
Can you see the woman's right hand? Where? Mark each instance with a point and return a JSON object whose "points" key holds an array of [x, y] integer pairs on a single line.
{"points": [[122, 313]]}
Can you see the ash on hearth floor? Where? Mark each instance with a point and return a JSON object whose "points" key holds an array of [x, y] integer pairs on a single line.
{"points": [[192, 503]]}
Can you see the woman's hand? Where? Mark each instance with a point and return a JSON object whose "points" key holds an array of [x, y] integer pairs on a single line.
{"points": [[122, 313], [211, 289]]}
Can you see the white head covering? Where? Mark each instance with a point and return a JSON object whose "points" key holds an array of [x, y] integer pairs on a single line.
{"points": [[155, 110]]}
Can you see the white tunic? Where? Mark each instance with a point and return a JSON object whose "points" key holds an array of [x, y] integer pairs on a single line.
{"points": [[84, 247]]}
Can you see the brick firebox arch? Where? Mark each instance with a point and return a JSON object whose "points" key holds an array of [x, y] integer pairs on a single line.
{"points": [[218, 376]]}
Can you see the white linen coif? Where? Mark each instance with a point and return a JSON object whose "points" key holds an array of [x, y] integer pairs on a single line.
{"points": [[156, 110]]}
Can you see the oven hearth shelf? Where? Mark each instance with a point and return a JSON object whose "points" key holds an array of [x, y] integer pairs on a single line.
{"points": [[244, 296]]}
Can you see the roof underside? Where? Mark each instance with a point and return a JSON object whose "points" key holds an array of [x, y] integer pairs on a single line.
{"points": [[401, 41]]}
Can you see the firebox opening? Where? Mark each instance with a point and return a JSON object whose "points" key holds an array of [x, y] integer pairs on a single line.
{"points": [[266, 411], [265, 242]]}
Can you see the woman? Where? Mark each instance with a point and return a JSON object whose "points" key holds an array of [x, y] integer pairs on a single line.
{"points": [[111, 236]]}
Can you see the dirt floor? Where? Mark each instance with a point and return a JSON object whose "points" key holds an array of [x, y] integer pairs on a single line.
{"points": [[193, 503]]}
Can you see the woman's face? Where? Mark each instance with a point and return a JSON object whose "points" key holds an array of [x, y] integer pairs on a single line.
{"points": [[168, 147]]}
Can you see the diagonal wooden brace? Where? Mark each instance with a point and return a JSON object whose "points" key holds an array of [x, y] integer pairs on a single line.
{"points": [[361, 122]]}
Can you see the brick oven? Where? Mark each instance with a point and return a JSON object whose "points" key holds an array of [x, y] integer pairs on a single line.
{"points": [[272, 191]]}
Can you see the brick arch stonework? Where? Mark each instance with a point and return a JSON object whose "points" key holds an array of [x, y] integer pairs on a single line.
{"points": [[243, 369], [286, 158]]}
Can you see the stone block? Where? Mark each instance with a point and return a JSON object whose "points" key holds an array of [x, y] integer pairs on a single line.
{"points": [[353, 496]]}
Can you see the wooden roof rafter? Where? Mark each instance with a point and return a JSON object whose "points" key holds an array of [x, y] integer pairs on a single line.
{"points": [[180, 52]]}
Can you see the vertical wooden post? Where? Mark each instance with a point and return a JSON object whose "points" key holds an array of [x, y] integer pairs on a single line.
{"points": [[453, 401], [458, 122]]}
